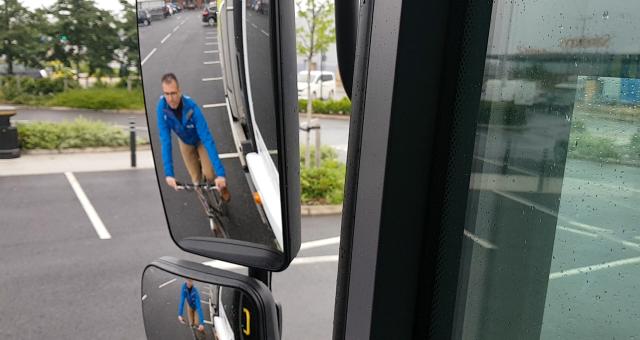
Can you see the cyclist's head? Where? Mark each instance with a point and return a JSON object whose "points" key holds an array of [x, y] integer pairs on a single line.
{"points": [[171, 90], [189, 283]]}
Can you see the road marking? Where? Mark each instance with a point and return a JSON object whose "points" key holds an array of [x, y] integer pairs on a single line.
{"points": [[144, 297], [588, 269], [167, 283], [210, 37], [210, 33], [480, 241], [176, 28], [265, 33], [254, 25], [229, 155], [211, 51], [579, 232], [207, 106], [212, 62], [183, 21], [165, 38], [320, 243], [102, 231], [148, 55], [300, 260], [211, 43], [211, 79]]}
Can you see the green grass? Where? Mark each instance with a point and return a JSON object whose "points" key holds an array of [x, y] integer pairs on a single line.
{"points": [[586, 146], [100, 99]]}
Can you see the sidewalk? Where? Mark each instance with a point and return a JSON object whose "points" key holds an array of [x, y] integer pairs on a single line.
{"points": [[35, 164]]}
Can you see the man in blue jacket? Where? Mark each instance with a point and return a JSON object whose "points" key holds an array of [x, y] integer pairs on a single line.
{"points": [[181, 114], [190, 293]]}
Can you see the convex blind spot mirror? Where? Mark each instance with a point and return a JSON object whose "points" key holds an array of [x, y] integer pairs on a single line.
{"points": [[222, 114], [187, 300]]}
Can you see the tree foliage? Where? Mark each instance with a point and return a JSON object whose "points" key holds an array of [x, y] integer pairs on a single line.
{"points": [[19, 38]]}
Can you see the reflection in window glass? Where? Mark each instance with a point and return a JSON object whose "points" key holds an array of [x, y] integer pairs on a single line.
{"points": [[552, 239]]}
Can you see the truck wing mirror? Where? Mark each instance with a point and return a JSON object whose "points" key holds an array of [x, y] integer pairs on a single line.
{"points": [[187, 300], [223, 123]]}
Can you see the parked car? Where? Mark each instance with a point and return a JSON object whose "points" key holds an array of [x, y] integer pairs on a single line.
{"points": [[176, 8], [190, 4], [210, 14], [323, 84], [144, 17]]}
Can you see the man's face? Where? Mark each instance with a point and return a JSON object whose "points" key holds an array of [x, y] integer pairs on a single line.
{"points": [[189, 284], [171, 92]]}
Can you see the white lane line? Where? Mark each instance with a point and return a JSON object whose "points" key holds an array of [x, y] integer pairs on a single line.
{"points": [[176, 28], [179, 17], [579, 232], [208, 106], [300, 260], [211, 51], [165, 38], [480, 241], [210, 37], [320, 243], [588, 269], [211, 62], [211, 43], [167, 283], [254, 25], [102, 231], [229, 155], [211, 79], [144, 297], [210, 33], [148, 55], [265, 33], [183, 21]]}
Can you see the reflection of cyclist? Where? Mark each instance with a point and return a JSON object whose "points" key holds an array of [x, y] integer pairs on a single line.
{"points": [[190, 293], [182, 115]]}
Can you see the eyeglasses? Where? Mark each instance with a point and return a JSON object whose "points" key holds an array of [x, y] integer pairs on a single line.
{"points": [[170, 94]]}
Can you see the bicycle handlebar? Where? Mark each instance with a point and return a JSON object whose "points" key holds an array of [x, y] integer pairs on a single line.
{"points": [[190, 187]]}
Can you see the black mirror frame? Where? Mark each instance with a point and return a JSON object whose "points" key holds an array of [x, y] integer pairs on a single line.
{"points": [[253, 288], [282, 27]]}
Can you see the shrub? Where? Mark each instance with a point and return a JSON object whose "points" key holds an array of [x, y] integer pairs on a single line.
{"points": [[340, 106], [499, 113], [327, 153], [80, 133], [100, 99], [587, 146], [324, 184]]}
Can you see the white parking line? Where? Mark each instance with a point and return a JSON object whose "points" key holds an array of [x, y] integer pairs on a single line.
{"points": [[176, 28], [148, 55], [165, 38], [588, 269], [102, 231], [229, 155], [212, 62], [167, 283], [207, 106], [211, 79], [210, 37], [211, 51], [211, 33], [183, 21], [579, 232], [211, 43], [254, 25], [300, 260], [320, 243], [144, 297], [480, 241], [265, 33]]}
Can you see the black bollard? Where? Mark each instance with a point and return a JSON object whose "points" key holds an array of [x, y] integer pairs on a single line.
{"points": [[132, 140]]}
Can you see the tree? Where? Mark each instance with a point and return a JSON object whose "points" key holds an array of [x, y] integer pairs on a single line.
{"points": [[315, 35], [19, 39], [83, 34], [127, 54]]}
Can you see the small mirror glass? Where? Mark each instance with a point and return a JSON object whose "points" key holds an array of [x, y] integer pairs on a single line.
{"points": [[213, 101], [176, 307]]}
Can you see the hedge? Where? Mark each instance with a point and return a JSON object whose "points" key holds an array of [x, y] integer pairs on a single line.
{"points": [[335, 107], [81, 133], [100, 99], [324, 184]]}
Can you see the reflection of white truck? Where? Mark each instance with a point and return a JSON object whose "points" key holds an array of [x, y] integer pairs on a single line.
{"points": [[520, 92], [323, 84]]}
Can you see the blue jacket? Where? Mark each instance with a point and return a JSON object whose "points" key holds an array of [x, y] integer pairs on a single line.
{"points": [[193, 129], [193, 299]]}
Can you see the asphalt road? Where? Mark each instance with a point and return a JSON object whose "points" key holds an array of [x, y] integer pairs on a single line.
{"points": [[182, 44], [58, 280]]}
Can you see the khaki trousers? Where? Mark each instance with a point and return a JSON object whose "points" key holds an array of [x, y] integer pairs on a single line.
{"points": [[194, 319], [197, 162]]}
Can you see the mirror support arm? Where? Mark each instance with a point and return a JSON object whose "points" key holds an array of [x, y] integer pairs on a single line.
{"points": [[262, 275], [346, 36]]}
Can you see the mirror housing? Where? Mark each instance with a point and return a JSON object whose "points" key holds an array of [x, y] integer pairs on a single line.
{"points": [[230, 303]]}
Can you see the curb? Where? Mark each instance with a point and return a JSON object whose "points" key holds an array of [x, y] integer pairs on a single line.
{"points": [[321, 210], [325, 116], [142, 147], [64, 108]]}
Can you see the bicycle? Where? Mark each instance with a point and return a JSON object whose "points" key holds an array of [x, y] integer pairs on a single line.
{"points": [[213, 204]]}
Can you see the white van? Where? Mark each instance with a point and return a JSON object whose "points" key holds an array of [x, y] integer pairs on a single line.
{"points": [[323, 84]]}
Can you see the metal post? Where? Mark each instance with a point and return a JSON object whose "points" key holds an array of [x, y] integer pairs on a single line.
{"points": [[132, 140], [315, 124]]}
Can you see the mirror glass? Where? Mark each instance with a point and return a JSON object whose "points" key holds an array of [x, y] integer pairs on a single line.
{"points": [[175, 307], [213, 120]]}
